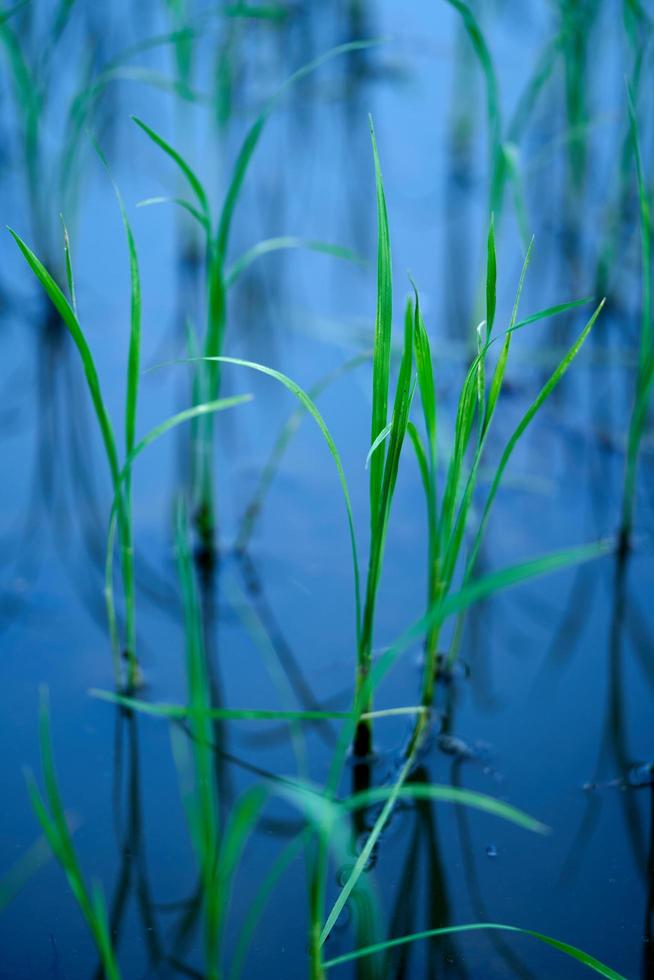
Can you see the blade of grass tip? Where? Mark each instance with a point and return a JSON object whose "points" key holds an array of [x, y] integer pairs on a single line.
{"points": [[285, 243], [69, 268], [577, 954], [191, 177], [542, 396], [382, 344], [383, 435], [67, 314], [550, 311]]}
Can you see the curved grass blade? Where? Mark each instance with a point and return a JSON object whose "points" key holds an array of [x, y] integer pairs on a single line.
{"points": [[449, 794], [309, 405], [284, 243], [201, 218], [542, 396], [191, 177], [179, 711], [290, 427], [577, 954], [67, 314]]}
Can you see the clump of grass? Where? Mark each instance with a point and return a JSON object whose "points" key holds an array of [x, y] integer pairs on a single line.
{"points": [[52, 817], [449, 511], [67, 310]]}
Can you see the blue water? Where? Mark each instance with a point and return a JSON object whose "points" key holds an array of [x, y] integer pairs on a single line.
{"points": [[556, 694]]}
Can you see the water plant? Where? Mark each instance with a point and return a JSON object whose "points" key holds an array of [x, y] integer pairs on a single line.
{"points": [[449, 513], [218, 278], [67, 309]]}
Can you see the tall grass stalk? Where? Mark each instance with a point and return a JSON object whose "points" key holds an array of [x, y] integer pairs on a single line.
{"points": [[384, 462]]}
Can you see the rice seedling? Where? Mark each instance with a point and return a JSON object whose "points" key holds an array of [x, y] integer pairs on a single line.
{"points": [[449, 512], [67, 310], [52, 817], [218, 278], [384, 463], [121, 478]]}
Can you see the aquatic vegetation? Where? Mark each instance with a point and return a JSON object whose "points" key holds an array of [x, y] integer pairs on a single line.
{"points": [[218, 278], [241, 816]]}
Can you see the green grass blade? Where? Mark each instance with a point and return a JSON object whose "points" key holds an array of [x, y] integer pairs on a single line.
{"points": [[70, 279], [500, 367], [383, 435], [491, 280], [283, 243], [590, 961], [550, 311], [425, 371], [382, 346], [542, 396], [67, 314], [311, 408], [201, 218], [178, 711], [268, 472], [449, 794], [389, 795], [191, 177]]}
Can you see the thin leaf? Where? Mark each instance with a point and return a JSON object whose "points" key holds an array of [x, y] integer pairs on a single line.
{"points": [[287, 242], [590, 961]]}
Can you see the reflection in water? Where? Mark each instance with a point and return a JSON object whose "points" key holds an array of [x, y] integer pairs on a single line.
{"points": [[315, 173]]}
